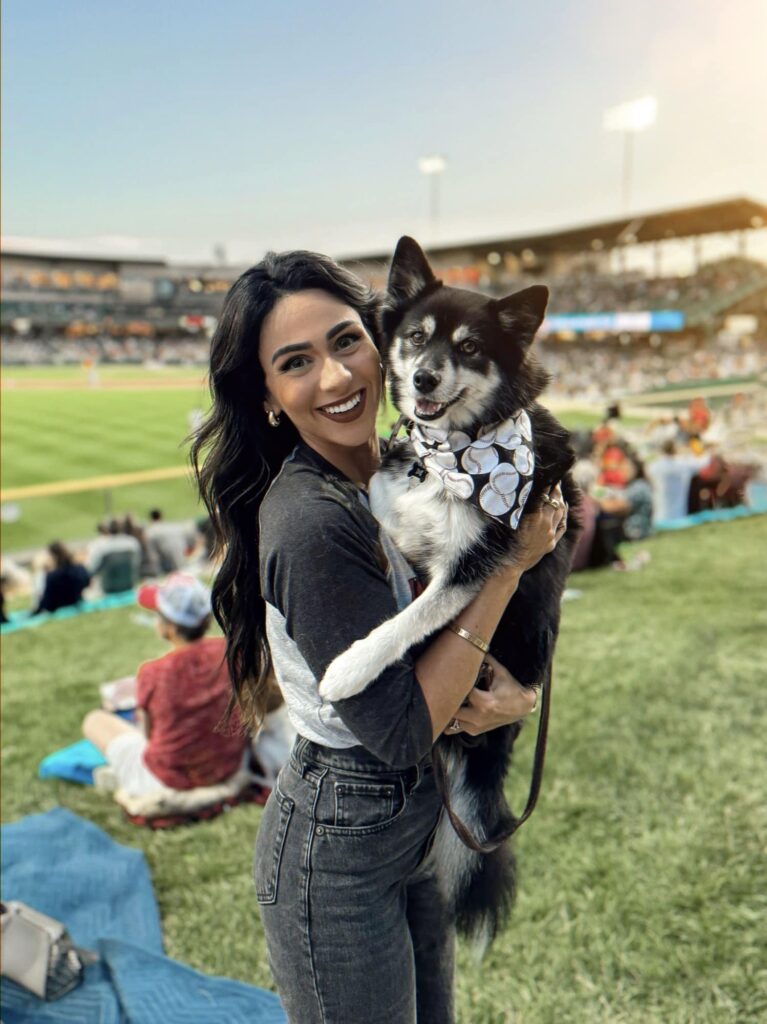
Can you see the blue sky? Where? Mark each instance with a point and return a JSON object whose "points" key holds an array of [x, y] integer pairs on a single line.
{"points": [[173, 125]]}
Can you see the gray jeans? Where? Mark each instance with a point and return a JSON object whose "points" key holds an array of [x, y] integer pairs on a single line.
{"points": [[356, 929]]}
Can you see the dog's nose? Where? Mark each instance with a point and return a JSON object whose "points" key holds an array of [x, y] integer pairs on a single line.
{"points": [[426, 380]]}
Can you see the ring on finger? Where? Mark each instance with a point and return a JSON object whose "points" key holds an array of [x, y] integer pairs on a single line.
{"points": [[554, 502]]}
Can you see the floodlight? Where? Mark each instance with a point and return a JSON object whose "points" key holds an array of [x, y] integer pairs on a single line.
{"points": [[634, 116], [434, 164]]}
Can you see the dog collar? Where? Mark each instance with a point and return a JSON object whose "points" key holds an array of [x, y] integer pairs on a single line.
{"points": [[492, 470]]}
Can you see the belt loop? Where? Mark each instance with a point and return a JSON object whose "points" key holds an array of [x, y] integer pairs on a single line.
{"points": [[298, 749], [413, 784]]}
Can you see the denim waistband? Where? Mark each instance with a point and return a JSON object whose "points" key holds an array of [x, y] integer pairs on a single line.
{"points": [[353, 759]]}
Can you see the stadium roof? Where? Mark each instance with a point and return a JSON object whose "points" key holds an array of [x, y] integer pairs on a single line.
{"points": [[683, 222], [41, 249]]}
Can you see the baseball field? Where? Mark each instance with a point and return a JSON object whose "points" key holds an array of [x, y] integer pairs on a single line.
{"points": [[642, 881], [79, 448], [76, 449]]}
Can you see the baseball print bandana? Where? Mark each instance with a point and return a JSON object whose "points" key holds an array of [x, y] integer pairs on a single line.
{"points": [[494, 470]]}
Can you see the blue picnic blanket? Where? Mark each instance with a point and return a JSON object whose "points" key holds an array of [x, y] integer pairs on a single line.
{"points": [[711, 515], [68, 868], [23, 620]]}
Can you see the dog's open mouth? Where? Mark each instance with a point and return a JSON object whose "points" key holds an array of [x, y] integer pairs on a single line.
{"points": [[426, 410]]}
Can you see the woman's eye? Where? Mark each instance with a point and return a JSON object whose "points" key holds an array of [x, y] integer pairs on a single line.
{"points": [[417, 337], [469, 347], [347, 340], [296, 363]]}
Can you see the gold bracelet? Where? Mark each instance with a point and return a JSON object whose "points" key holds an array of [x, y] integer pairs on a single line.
{"points": [[477, 641]]}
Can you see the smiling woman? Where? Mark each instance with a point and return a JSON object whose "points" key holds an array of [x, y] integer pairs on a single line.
{"points": [[328, 385], [342, 855]]}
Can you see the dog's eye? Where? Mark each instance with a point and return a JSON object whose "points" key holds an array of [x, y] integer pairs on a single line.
{"points": [[417, 337], [469, 347]]}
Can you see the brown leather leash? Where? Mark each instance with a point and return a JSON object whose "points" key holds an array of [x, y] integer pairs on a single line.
{"points": [[443, 784]]}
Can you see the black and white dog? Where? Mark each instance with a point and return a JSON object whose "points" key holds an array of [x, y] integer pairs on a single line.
{"points": [[480, 451]]}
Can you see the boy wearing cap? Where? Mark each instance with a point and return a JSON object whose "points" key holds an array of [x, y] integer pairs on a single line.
{"points": [[181, 699]]}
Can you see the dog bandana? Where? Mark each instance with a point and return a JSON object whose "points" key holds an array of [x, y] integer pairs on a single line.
{"points": [[494, 470]]}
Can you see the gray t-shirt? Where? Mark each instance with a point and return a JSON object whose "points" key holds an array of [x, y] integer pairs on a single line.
{"points": [[329, 576]]}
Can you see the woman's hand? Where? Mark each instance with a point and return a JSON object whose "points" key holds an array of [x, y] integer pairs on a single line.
{"points": [[505, 702], [538, 534]]}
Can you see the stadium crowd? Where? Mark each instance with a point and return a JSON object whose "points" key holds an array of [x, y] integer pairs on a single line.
{"points": [[634, 480], [589, 371], [587, 292], [581, 369], [183, 350]]}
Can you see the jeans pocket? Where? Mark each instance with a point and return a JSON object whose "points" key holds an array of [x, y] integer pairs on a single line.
{"points": [[270, 844], [365, 804]]}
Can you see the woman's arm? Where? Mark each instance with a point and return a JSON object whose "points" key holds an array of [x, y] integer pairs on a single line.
{"points": [[325, 589], [448, 669]]}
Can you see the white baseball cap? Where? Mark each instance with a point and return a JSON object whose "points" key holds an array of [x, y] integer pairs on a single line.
{"points": [[182, 600]]}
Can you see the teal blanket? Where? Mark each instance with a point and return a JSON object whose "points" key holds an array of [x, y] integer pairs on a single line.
{"points": [[71, 870]]}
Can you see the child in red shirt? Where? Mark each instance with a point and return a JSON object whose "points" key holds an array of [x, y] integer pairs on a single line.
{"points": [[181, 699]]}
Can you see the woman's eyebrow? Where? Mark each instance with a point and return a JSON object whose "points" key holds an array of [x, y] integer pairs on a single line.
{"points": [[338, 327], [298, 346], [301, 346]]}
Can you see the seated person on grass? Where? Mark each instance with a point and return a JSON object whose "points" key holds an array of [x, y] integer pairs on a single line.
{"points": [[65, 580], [181, 699]]}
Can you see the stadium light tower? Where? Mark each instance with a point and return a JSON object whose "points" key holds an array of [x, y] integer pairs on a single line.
{"points": [[629, 119], [433, 167]]}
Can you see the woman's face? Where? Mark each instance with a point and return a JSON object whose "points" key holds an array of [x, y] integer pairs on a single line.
{"points": [[321, 370]]}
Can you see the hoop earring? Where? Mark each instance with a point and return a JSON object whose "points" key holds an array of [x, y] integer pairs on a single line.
{"points": [[274, 419]]}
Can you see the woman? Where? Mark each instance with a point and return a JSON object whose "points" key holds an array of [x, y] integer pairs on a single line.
{"points": [[638, 496], [65, 580], [355, 924]]}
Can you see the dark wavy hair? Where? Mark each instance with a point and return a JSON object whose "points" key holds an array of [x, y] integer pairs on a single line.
{"points": [[235, 453], [62, 556]]}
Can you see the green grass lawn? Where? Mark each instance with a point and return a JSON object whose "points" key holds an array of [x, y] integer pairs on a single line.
{"points": [[643, 878], [54, 435], [49, 436]]}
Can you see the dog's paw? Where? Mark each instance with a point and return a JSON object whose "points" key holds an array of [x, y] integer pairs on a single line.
{"points": [[343, 677]]}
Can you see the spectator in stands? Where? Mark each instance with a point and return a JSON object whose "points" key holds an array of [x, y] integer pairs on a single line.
{"points": [[609, 516], [670, 476], [698, 418], [65, 580], [637, 494], [206, 536], [115, 558], [169, 544], [587, 513], [181, 698], [148, 566]]}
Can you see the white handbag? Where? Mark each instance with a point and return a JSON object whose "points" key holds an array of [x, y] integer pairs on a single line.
{"points": [[37, 952]]}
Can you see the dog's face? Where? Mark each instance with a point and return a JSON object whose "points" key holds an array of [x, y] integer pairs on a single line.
{"points": [[456, 357]]}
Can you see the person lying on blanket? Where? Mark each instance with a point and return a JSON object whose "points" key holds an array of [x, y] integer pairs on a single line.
{"points": [[181, 698]]}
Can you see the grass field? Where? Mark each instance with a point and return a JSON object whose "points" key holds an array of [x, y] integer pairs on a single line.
{"points": [[643, 877], [71, 432], [55, 427]]}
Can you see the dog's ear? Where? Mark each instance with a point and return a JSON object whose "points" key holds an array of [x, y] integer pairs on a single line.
{"points": [[521, 314], [409, 274]]}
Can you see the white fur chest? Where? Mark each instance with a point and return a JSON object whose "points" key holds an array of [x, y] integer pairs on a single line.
{"points": [[428, 526]]}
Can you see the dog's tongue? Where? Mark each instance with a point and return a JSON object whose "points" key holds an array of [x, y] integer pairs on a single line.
{"points": [[424, 408]]}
